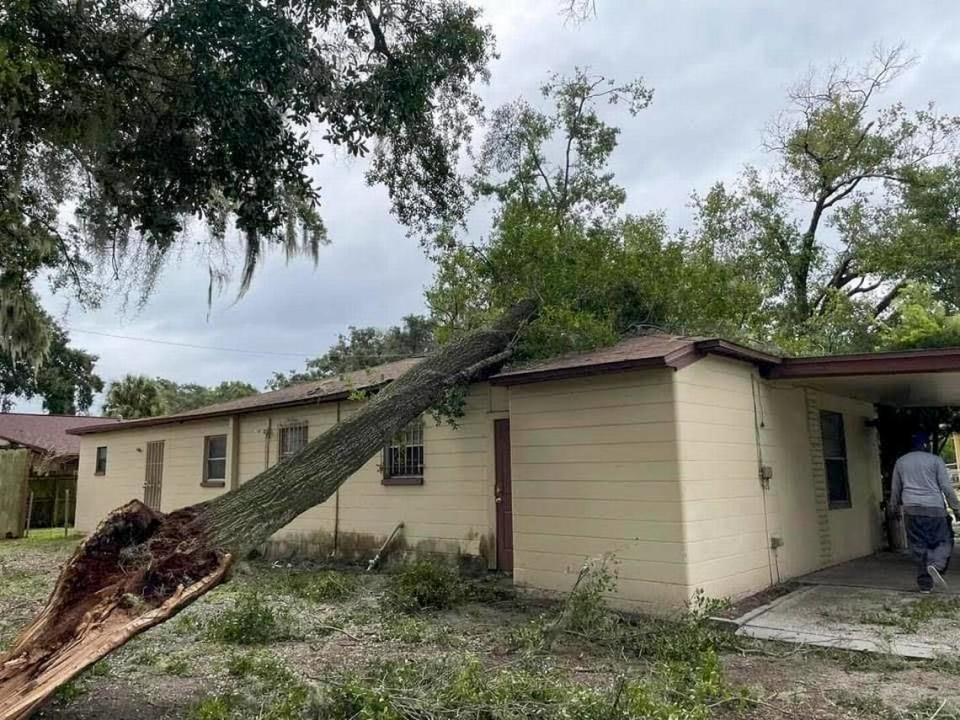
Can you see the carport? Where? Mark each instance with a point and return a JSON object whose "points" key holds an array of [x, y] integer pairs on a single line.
{"points": [[871, 603]]}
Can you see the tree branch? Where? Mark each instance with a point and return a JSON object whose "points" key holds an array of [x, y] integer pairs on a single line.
{"points": [[888, 299]]}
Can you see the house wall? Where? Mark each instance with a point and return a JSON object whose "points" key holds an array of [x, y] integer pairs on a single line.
{"points": [[730, 422], [594, 469], [451, 511], [123, 481]]}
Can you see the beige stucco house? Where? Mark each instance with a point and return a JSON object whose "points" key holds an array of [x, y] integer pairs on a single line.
{"points": [[699, 464]]}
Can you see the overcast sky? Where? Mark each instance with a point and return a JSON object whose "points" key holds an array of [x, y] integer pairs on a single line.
{"points": [[719, 69]]}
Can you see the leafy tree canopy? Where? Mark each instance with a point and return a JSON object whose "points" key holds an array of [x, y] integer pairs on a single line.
{"points": [[362, 348], [559, 235], [65, 377], [861, 202], [817, 254], [143, 115], [134, 396], [189, 396]]}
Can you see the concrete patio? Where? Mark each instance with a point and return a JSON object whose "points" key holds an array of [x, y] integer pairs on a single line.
{"points": [[870, 604]]}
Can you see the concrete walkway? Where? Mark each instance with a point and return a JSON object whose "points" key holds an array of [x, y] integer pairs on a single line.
{"points": [[870, 605]]}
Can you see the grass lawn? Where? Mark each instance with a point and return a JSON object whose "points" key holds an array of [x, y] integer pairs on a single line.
{"points": [[424, 643]]}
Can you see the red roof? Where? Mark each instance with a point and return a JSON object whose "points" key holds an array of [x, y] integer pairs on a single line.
{"points": [[46, 433]]}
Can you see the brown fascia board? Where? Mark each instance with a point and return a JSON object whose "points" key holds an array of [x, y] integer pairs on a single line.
{"points": [[179, 419], [677, 359], [888, 363], [718, 346]]}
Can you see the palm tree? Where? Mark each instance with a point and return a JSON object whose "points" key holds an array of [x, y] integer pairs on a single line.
{"points": [[134, 396]]}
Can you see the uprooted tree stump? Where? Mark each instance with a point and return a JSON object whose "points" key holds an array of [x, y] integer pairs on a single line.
{"points": [[141, 567]]}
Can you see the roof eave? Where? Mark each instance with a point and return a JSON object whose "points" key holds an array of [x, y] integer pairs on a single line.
{"points": [[901, 363], [578, 371], [178, 419]]}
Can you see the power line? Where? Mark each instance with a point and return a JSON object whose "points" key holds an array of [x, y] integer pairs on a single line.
{"points": [[190, 345]]}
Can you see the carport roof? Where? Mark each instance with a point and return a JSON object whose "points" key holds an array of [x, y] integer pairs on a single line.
{"points": [[909, 378]]}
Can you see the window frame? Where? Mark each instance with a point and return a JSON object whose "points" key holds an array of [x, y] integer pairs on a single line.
{"points": [[283, 430], [97, 469], [400, 477], [209, 481], [836, 461]]}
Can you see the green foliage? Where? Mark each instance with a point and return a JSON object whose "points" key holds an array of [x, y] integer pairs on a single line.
{"points": [[215, 707], [63, 376], [321, 587], [179, 397], [170, 111], [423, 584], [364, 348], [920, 320], [910, 616], [465, 687], [251, 620], [134, 396]]}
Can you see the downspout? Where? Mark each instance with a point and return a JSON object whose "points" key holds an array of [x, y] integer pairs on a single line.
{"points": [[764, 476], [336, 507]]}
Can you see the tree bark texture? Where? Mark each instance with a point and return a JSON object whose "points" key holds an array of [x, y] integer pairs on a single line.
{"points": [[141, 567]]}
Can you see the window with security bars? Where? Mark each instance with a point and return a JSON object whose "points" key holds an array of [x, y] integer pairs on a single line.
{"points": [[403, 457], [293, 438], [835, 460]]}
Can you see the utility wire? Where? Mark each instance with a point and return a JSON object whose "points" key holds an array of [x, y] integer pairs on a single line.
{"points": [[194, 346], [189, 345]]}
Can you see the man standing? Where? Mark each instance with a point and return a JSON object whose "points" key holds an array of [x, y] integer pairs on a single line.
{"points": [[920, 483]]}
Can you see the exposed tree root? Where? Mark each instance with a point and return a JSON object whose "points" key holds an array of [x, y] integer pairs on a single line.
{"points": [[137, 570]]}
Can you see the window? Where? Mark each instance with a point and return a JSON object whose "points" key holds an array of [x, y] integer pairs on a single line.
{"points": [[293, 438], [403, 457], [215, 460], [835, 459], [101, 468]]}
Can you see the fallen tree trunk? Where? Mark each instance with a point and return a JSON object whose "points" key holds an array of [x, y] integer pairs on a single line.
{"points": [[141, 567]]}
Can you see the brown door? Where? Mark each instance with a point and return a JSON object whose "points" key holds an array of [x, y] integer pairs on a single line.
{"points": [[153, 481], [503, 494]]}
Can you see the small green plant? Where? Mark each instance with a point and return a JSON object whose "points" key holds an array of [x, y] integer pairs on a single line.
{"points": [[214, 707], [586, 606], [250, 621], [176, 666], [69, 691], [424, 584], [262, 666], [325, 586]]}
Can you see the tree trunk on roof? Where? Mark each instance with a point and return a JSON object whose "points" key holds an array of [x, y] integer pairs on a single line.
{"points": [[141, 567]]}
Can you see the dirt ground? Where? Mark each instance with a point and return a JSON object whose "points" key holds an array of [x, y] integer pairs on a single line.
{"points": [[179, 670]]}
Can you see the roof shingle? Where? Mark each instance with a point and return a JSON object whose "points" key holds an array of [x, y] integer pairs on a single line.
{"points": [[299, 394], [47, 433]]}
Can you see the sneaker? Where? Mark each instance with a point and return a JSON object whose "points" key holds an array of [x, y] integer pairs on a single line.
{"points": [[937, 577], [926, 592]]}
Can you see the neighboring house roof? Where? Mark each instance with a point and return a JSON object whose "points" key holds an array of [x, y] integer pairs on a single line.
{"points": [[47, 433], [335, 388]]}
